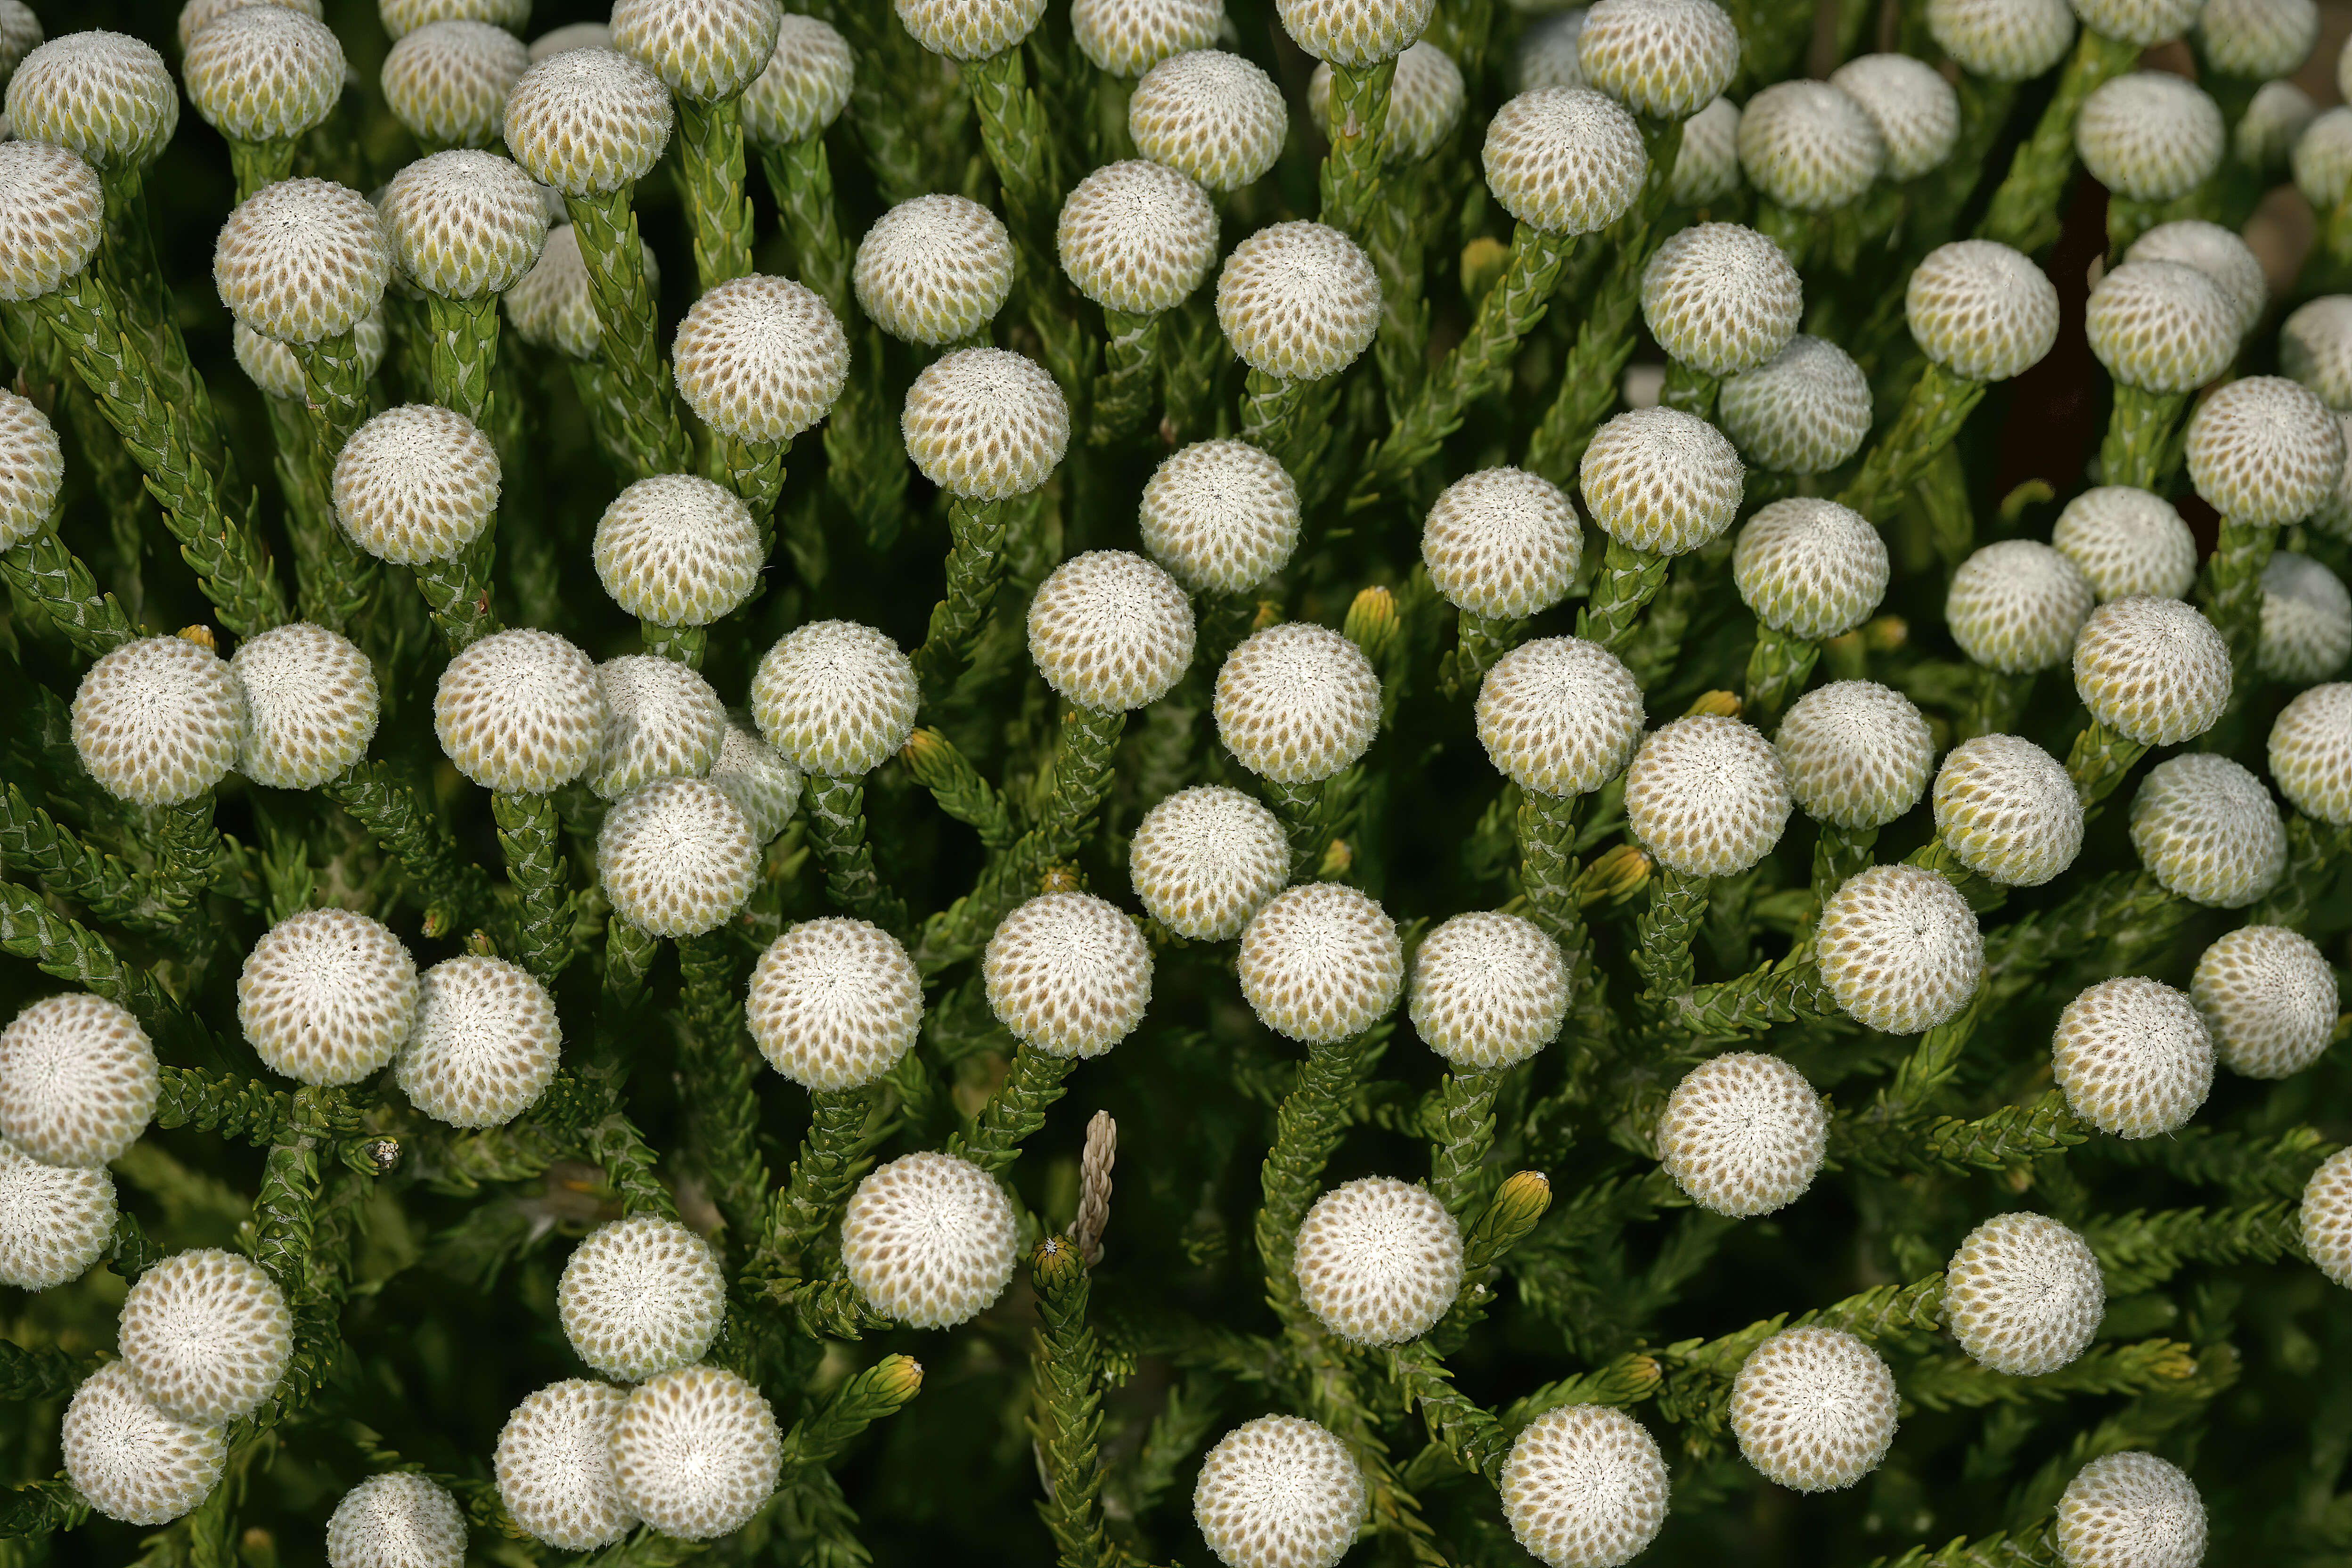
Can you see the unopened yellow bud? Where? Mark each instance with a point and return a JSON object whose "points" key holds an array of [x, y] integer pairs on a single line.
{"points": [[1483, 261], [1714, 704]]}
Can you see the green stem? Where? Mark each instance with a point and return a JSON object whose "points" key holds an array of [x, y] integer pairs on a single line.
{"points": [[311, 525], [2312, 852], [644, 410], [800, 176], [1465, 1136], [285, 1209], [1393, 238], [44, 571], [1629, 579], [72, 952], [2099, 760], [2231, 588], [1307, 1129], [260, 163], [464, 355], [832, 1156], [1015, 1110], [1694, 392], [975, 567], [1352, 170], [2027, 209], [1301, 807], [1067, 1422], [188, 853], [130, 267], [710, 148], [1662, 948], [1479, 642], [2139, 436], [1776, 670], [1939, 403], [1839, 853], [723, 1110], [32, 840], [837, 819], [337, 378], [1014, 132], [629, 955], [452, 889], [1130, 382], [527, 835], [1289, 420]]}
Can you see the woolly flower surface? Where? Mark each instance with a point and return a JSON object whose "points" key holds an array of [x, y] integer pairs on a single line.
{"points": [[2315, 347], [1502, 542], [2131, 1511], [662, 722], [1566, 160], [1379, 1261], [553, 307], [2161, 326], [2150, 136], [1857, 753], [1297, 702], [1069, 973], [1706, 795], [2263, 450], [55, 1221], [2129, 542], [1813, 1409], [1111, 631], [764, 787], [554, 1466], [159, 721], [677, 858], [1809, 568], [2153, 670], [2269, 998], [1214, 116], [131, 1461], [1804, 411], [2322, 158], [302, 260], [1743, 1134], [804, 86], [1488, 990], [2260, 40], [1721, 299], [1299, 302], [1808, 147], [1560, 715], [1354, 32], [1279, 1492], [2220, 254], [105, 95], [985, 423], [2008, 811], [1205, 859], [1584, 1487], [677, 550], [484, 1045], [2133, 1058], [398, 1519], [449, 81], [2016, 606], [588, 122], [416, 484], [1706, 169], [1664, 59], [928, 1239], [640, 1296], [52, 218], [1547, 55], [760, 359], [1660, 480], [1981, 310], [32, 470], [464, 223], [934, 269], [1222, 516], [263, 73], [836, 699], [1137, 237], [1320, 964], [2325, 1217], [311, 705], [2311, 752], [834, 1002], [705, 50], [1127, 37], [1915, 110], [2208, 829], [695, 1452], [327, 997], [207, 1334], [968, 29], [1899, 949], [2306, 620], [401, 17], [519, 711], [77, 1081], [2022, 1295]]}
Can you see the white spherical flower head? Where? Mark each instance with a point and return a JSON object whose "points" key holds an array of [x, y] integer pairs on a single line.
{"points": [[695, 1452], [968, 29], [485, 1043], [2208, 829], [2269, 998], [2322, 159], [834, 1002], [1915, 110], [985, 423], [1808, 147], [1069, 973], [2151, 135], [552, 308], [2266, 133], [2002, 40], [398, 1519], [804, 87], [195, 16], [1981, 310], [327, 997], [1706, 795], [1127, 37], [640, 1296], [2152, 669], [836, 699], [2316, 349], [1322, 963], [1299, 302], [1721, 299], [554, 1466], [52, 218], [1547, 55], [77, 1081], [32, 470], [464, 223], [1664, 59], [678, 551], [2022, 1295], [1427, 98], [264, 73], [1660, 480], [2258, 39], [1559, 716], [311, 705], [519, 711], [2133, 1058], [1297, 702], [2129, 542], [705, 50], [2016, 607], [1565, 160], [1815, 1409], [928, 1239], [1354, 32], [1220, 515], [105, 95], [2131, 1511], [1488, 990], [1584, 1487], [2311, 752], [764, 787], [2326, 1217], [1809, 568], [2264, 451], [159, 721], [2008, 811], [302, 260], [588, 122], [934, 269], [1706, 169], [448, 81], [131, 1461], [1137, 238], [1213, 117], [416, 484], [1857, 755], [1111, 631], [1205, 859], [1379, 1261], [677, 858], [207, 1334], [401, 17], [1743, 1134], [1279, 1492], [2306, 620], [663, 722], [55, 1221], [1899, 949], [2161, 327], [760, 359], [1502, 542], [2216, 252], [1804, 411], [2146, 23]]}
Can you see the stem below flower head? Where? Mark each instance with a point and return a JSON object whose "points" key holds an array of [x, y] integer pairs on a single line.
{"points": [[2231, 588], [1480, 640], [1940, 402], [47, 573], [457, 594], [721, 1067], [260, 163], [1130, 376], [398, 820], [2027, 209], [527, 835], [975, 567], [1302, 809], [1463, 1138], [800, 176], [710, 146], [2098, 761], [1350, 178], [2313, 851], [1069, 1415], [1692, 390], [804, 1211], [130, 267], [1662, 949], [1776, 669], [1289, 420], [1839, 853], [644, 410], [464, 354], [1019, 144], [1015, 1110], [864, 461], [1629, 579], [1308, 1128], [2139, 436], [837, 819], [188, 852]]}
